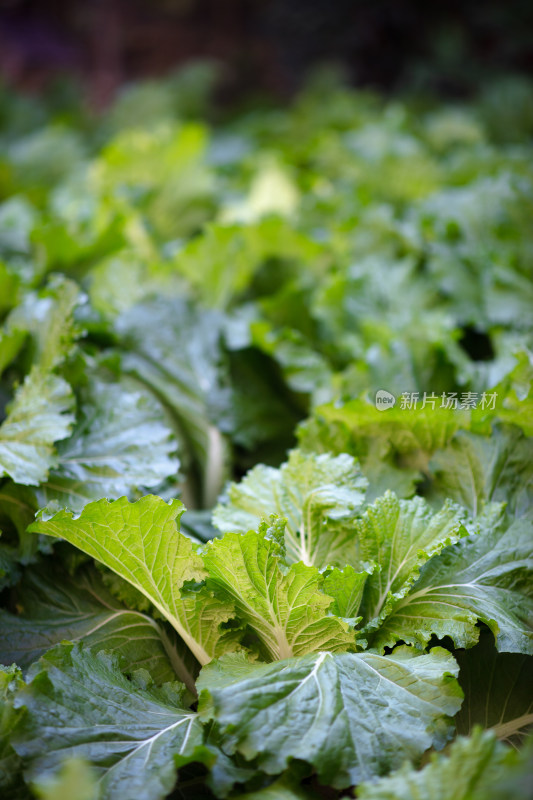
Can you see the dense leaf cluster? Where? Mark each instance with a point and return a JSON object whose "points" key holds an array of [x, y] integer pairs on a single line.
{"points": [[226, 571]]}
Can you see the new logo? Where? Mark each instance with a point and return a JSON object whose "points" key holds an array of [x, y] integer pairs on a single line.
{"points": [[384, 400]]}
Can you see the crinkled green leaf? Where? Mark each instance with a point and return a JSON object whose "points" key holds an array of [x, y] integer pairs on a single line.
{"points": [[380, 467], [377, 458], [54, 607], [467, 772], [141, 543], [515, 395], [399, 536], [286, 610], [121, 442], [486, 577], [346, 586], [48, 317], [319, 495], [414, 434], [475, 470], [498, 691], [352, 716], [39, 416], [175, 350], [79, 704], [392, 445], [40, 413]]}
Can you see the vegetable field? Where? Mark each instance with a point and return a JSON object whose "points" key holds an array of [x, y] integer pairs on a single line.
{"points": [[266, 447]]}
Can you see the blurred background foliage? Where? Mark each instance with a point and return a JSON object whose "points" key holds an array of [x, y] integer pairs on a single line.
{"points": [[249, 268], [267, 46], [254, 237]]}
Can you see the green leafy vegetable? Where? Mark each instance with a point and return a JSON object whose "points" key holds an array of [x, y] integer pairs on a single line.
{"points": [[286, 609], [322, 708], [346, 586], [484, 577], [475, 471], [399, 536], [469, 772], [311, 327], [106, 453], [319, 496], [55, 608], [134, 734], [41, 411], [40, 415], [175, 350], [141, 543]]}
